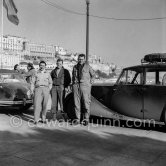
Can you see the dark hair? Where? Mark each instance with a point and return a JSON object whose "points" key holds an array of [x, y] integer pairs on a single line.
{"points": [[59, 60], [42, 62], [15, 66], [81, 55], [30, 65]]}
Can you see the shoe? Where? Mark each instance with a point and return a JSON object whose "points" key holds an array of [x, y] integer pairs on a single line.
{"points": [[44, 121], [65, 117], [62, 112], [35, 123], [85, 123], [54, 117], [75, 122]]}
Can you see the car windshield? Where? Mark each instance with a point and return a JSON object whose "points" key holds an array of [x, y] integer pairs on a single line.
{"points": [[11, 77]]}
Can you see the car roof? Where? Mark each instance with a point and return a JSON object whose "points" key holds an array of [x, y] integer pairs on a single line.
{"points": [[154, 66], [7, 71]]}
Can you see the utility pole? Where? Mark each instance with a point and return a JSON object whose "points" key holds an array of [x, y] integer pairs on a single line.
{"points": [[1, 49], [87, 29]]}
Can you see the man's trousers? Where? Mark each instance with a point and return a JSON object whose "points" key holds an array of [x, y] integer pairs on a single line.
{"points": [[82, 100], [57, 95], [41, 97]]}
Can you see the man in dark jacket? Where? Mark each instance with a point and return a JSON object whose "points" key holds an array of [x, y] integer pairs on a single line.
{"points": [[61, 81]]}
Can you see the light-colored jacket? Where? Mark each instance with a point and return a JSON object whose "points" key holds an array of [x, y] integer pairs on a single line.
{"points": [[41, 79], [87, 75]]}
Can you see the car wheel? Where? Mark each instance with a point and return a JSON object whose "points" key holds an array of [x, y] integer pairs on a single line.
{"points": [[69, 106]]}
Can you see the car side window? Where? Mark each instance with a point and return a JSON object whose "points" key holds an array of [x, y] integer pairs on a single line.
{"points": [[150, 78], [134, 77], [122, 79], [162, 78], [130, 77], [156, 77]]}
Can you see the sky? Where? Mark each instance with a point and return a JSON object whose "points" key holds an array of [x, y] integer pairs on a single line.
{"points": [[121, 42]]}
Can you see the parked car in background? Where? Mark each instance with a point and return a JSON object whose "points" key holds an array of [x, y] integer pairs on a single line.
{"points": [[14, 90], [138, 92]]}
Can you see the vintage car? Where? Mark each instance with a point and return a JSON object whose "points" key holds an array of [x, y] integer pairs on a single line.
{"points": [[139, 93], [14, 91]]}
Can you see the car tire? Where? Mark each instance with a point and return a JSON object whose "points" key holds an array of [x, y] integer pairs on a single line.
{"points": [[69, 106]]}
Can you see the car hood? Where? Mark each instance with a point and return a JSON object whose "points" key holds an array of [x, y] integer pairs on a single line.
{"points": [[14, 91]]}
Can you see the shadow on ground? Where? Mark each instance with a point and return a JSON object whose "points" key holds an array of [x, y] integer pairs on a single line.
{"points": [[71, 146], [129, 124], [28, 115], [80, 145]]}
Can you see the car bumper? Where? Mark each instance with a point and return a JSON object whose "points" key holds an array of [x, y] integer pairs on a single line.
{"points": [[15, 103]]}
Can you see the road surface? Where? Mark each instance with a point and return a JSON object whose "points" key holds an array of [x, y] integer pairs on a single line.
{"points": [[22, 143]]}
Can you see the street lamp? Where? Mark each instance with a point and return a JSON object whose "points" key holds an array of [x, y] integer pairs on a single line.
{"points": [[87, 29]]}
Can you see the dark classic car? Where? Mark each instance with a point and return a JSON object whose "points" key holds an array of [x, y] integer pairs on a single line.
{"points": [[14, 91], [139, 93]]}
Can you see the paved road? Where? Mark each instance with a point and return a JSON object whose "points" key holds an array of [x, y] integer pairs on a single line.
{"points": [[57, 144]]}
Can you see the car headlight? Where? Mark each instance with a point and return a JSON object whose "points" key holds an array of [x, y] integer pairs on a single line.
{"points": [[29, 94]]}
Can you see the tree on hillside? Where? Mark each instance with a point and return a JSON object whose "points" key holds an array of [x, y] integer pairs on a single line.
{"points": [[101, 74]]}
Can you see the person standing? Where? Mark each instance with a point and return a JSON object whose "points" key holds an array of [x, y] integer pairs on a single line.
{"points": [[41, 85], [17, 69], [82, 79], [31, 72], [61, 81]]}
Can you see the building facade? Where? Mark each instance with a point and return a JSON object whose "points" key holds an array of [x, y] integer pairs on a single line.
{"points": [[15, 49], [34, 51], [11, 48]]}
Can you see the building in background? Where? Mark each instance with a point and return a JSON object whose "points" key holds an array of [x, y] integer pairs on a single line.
{"points": [[15, 50], [12, 43], [10, 50], [34, 51]]}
